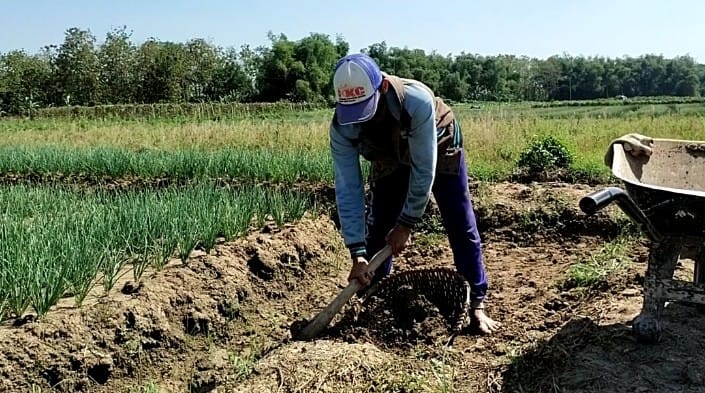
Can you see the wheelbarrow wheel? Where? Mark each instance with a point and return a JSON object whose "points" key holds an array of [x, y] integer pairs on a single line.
{"points": [[647, 328]]}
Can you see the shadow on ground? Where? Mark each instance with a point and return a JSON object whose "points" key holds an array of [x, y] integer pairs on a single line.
{"points": [[586, 357]]}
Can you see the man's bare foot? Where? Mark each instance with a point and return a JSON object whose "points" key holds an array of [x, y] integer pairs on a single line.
{"points": [[486, 324]]}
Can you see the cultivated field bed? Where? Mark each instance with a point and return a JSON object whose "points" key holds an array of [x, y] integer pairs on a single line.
{"points": [[220, 321]]}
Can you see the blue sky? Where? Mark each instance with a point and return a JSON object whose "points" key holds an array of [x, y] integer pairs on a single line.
{"points": [[538, 28]]}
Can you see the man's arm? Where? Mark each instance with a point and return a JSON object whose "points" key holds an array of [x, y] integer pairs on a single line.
{"points": [[423, 154], [349, 190]]}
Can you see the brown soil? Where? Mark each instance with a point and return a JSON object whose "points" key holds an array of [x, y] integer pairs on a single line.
{"points": [[403, 320], [221, 323], [107, 183]]}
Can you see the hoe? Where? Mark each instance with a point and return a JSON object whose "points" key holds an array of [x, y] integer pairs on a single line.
{"points": [[443, 286]]}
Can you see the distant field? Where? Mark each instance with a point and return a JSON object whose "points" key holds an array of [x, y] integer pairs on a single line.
{"points": [[291, 146]]}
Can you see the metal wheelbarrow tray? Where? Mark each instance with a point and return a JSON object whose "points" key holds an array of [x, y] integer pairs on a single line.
{"points": [[665, 194]]}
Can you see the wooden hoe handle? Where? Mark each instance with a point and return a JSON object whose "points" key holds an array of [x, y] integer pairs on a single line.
{"points": [[324, 317]]}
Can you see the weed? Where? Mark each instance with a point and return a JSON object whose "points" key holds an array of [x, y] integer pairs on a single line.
{"points": [[595, 268], [150, 387], [545, 153], [243, 362]]}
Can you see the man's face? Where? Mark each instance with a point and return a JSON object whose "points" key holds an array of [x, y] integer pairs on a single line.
{"points": [[381, 112]]}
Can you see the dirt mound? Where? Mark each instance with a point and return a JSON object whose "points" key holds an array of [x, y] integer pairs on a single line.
{"points": [[404, 319], [523, 213], [590, 355], [413, 307], [333, 366], [321, 366], [182, 325], [526, 175]]}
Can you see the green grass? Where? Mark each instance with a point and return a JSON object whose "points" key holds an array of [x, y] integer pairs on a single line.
{"points": [[244, 363], [150, 387], [244, 164], [293, 146], [55, 242], [592, 270]]}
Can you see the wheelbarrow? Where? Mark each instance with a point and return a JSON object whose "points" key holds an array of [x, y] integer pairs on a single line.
{"points": [[664, 193]]}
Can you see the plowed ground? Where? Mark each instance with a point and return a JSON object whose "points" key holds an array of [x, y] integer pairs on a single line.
{"points": [[221, 323]]}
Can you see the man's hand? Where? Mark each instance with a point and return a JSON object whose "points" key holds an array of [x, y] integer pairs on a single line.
{"points": [[398, 238], [359, 271]]}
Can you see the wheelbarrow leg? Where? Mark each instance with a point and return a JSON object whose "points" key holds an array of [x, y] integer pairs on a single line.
{"points": [[699, 267], [699, 272], [663, 258]]}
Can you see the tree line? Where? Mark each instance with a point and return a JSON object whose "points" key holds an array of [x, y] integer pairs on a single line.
{"points": [[82, 71]]}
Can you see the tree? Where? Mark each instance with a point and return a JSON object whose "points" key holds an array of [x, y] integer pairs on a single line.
{"points": [[117, 60], [76, 69], [23, 80]]}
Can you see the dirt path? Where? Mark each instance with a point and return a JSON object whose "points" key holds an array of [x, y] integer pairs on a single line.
{"points": [[222, 322]]}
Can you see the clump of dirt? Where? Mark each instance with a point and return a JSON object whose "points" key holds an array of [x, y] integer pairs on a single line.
{"points": [[588, 354], [403, 319]]}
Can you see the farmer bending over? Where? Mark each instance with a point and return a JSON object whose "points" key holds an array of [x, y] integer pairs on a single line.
{"points": [[414, 145]]}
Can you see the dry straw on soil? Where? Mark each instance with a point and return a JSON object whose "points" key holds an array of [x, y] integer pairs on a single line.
{"points": [[322, 366]]}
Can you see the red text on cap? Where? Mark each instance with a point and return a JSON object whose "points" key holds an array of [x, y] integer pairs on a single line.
{"points": [[351, 93]]}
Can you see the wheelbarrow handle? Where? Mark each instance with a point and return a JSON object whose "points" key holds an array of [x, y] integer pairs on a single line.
{"points": [[597, 200]]}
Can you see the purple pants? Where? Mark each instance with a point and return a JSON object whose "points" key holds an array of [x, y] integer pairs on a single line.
{"points": [[386, 199]]}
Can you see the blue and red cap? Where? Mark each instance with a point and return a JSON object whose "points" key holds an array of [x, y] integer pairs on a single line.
{"points": [[356, 83]]}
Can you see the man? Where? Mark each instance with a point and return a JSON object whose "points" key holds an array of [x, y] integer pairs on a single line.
{"points": [[414, 145]]}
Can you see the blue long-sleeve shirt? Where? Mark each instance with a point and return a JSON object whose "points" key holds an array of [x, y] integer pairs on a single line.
{"points": [[349, 184]]}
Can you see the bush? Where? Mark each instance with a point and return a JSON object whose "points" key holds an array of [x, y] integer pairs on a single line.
{"points": [[545, 153]]}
